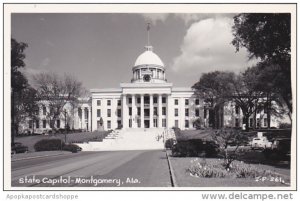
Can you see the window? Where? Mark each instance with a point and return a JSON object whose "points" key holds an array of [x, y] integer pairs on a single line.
{"points": [[197, 112], [98, 102], [37, 110], [130, 111], [58, 123], [176, 123], [30, 123], [164, 100], [52, 122], [108, 112], [197, 102], [139, 111], [37, 124], [119, 112], [257, 123], [98, 112], [98, 124], [265, 122], [44, 123], [186, 123], [237, 122], [205, 113], [186, 101], [176, 102], [109, 102], [251, 122], [155, 111], [164, 111], [130, 100], [119, 102], [164, 123], [109, 124], [130, 123], [138, 100], [176, 112], [186, 112], [86, 113], [155, 99], [44, 110], [237, 109], [119, 123]]}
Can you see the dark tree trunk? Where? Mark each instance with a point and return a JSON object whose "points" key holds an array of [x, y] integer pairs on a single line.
{"points": [[246, 121]]}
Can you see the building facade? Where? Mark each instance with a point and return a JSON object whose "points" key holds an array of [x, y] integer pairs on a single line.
{"points": [[147, 101]]}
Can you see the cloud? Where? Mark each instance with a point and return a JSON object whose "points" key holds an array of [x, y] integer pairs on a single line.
{"points": [[155, 17], [207, 47], [45, 62], [195, 17]]}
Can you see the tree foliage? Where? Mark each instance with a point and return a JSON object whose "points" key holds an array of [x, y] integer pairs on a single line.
{"points": [[56, 92], [267, 36]]}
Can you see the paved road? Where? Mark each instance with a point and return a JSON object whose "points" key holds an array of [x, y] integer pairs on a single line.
{"points": [[89, 169]]}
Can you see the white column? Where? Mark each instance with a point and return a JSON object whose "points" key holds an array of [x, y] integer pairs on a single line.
{"points": [[90, 118], [170, 112], [159, 111], [142, 111], [134, 112], [151, 111], [124, 112]]}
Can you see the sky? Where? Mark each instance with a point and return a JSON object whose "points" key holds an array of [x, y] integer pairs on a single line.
{"points": [[100, 49]]}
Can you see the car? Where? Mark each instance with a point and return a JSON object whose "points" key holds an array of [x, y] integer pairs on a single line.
{"points": [[260, 143], [18, 147]]}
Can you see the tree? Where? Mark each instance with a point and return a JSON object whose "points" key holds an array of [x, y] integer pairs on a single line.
{"points": [[229, 137], [56, 92], [18, 84], [245, 94], [215, 88], [267, 36]]}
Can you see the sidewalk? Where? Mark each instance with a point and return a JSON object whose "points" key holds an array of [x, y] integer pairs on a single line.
{"points": [[30, 155]]}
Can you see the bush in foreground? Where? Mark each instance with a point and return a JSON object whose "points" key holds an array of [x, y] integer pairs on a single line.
{"points": [[194, 147], [49, 145]]}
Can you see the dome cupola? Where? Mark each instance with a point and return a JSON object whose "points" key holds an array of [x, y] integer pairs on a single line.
{"points": [[148, 67]]}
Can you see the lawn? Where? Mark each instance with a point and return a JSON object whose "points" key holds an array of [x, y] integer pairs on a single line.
{"points": [[256, 158], [184, 179], [70, 138]]}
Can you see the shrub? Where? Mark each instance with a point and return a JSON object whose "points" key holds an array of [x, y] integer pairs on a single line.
{"points": [[169, 143], [72, 148], [194, 147], [285, 125], [49, 145]]}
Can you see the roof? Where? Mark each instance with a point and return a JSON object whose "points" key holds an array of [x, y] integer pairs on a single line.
{"points": [[148, 58]]}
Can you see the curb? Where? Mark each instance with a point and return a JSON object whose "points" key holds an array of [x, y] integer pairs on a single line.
{"points": [[173, 178], [33, 157]]}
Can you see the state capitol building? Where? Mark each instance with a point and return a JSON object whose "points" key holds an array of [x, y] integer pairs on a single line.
{"points": [[147, 101]]}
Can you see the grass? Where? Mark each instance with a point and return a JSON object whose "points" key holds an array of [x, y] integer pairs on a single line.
{"points": [[184, 179], [71, 138]]}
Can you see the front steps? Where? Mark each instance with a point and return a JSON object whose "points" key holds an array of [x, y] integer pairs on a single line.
{"points": [[128, 139]]}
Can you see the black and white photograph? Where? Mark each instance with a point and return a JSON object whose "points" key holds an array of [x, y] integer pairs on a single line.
{"points": [[139, 96]]}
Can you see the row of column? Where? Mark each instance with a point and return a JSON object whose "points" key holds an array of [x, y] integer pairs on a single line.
{"points": [[125, 116], [85, 123]]}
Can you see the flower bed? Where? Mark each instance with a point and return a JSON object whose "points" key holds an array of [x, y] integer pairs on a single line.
{"points": [[238, 169]]}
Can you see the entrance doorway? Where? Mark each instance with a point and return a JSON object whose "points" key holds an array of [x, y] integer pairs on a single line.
{"points": [[147, 123]]}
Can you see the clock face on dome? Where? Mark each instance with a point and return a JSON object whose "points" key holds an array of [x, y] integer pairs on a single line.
{"points": [[147, 78]]}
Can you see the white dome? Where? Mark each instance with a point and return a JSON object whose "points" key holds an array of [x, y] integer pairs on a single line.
{"points": [[148, 57]]}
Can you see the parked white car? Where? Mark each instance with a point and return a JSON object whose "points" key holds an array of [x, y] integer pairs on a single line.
{"points": [[260, 143]]}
